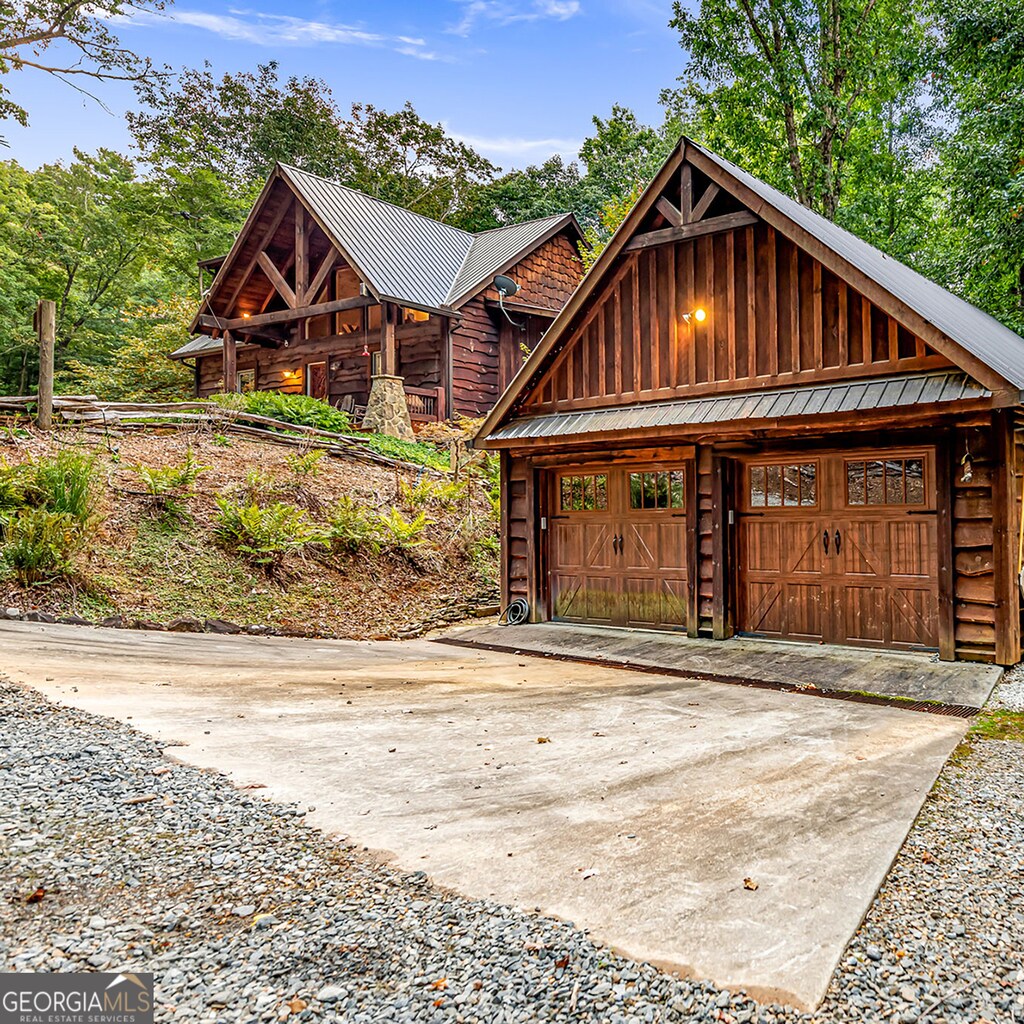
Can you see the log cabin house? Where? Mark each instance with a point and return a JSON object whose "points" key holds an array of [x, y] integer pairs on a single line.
{"points": [[326, 289], [748, 421]]}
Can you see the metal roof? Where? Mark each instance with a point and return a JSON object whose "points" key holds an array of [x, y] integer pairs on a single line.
{"points": [[809, 400], [403, 255], [977, 332], [492, 250], [201, 346]]}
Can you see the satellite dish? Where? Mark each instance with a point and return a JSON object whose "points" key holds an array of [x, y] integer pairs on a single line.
{"points": [[506, 286]]}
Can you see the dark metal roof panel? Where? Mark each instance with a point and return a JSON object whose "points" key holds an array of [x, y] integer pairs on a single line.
{"points": [[492, 250], [404, 255], [858, 396], [977, 332]]}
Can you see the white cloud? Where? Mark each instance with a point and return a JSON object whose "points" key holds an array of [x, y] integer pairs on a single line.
{"points": [[520, 151], [281, 30], [503, 12]]}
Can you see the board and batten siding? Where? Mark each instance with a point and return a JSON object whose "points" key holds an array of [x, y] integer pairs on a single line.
{"points": [[775, 317]]}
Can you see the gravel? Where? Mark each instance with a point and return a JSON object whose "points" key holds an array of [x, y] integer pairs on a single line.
{"points": [[244, 913], [1009, 693]]}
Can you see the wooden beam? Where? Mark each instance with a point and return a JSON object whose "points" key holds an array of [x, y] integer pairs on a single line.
{"points": [[301, 253], [713, 226], [668, 210], [686, 192], [283, 316], [277, 280], [944, 460], [321, 274], [230, 349], [705, 201], [1004, 540], [264, 241], [389, 355]]}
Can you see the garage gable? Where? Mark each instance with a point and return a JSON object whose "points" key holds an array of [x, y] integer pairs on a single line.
{"points": [[716, 283]]}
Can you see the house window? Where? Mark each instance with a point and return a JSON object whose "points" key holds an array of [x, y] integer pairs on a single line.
{"points": [[412, 316], [885, 482], [783, 485], [245, 380], [583, 493], [375, 364], [657, 490]]}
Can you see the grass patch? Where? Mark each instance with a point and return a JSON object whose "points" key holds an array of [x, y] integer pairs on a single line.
{"points": [[999, 724]]}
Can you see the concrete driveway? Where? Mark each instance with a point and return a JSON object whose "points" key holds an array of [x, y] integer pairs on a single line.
{"points": [[648, 804]]}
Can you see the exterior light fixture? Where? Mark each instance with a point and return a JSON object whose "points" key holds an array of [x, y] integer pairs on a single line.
{"points": [[245, 316], [699, 314], [366, 350]]}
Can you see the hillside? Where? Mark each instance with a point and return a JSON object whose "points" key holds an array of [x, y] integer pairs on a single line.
{"points": [[283, 540]]}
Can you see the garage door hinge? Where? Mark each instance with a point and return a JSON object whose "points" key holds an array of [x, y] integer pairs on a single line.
{"points": [[543, 522]]}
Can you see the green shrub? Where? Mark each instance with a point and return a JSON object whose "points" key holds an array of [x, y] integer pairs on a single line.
{"points": [[311, 412], [400, 534], [221, 440], [352, 527], [167, 485], [65, 483], [263, 534], [39, 544], [305, 464], [442, 493], [12, 489], [300, 409]]}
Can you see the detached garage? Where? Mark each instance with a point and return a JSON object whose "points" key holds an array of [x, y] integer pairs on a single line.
{"points": [[747, 421]]}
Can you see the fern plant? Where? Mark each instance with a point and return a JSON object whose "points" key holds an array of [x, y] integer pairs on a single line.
{"points": [[65, 483], [167, 486], [442, 493], [353, 527], [39, 544], [402, 535], [263, 534], [305, 464]]}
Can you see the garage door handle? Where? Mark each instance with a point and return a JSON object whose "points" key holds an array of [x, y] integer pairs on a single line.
{"points": [[824, 541], [839, 542]]}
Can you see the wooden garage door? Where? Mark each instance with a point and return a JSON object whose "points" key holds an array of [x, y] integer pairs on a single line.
{"points": [[840, 548], [617, 553]]}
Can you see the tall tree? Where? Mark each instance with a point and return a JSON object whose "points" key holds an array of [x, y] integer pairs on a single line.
{"points": [[86, 46], [982, 83], [814, 80]]}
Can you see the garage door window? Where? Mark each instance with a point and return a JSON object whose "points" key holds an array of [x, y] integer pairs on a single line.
{"points": [[657, 490], [885, 482], [583, 493], [784, 485]]}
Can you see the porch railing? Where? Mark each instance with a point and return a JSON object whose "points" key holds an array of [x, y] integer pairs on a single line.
{"points": [[426, 405]]}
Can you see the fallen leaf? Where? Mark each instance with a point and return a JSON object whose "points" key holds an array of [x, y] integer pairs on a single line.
{"points": [[440, 984], [37, 896], [564, 962], [296, 1005], [438, 1002], [543, 739], [749, 883]]}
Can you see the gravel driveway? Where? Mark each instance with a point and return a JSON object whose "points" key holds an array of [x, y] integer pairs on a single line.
{"points": [[244, 913]]}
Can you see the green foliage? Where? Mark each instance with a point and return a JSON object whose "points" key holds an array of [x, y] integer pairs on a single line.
{"points": [[299, 409], [139, 370], [39, 544], [402, 535], [262, 534], [64, 484], [982, 93], [168, 485], [221, 441], [305, 464], [426, 491], [353, 527]]}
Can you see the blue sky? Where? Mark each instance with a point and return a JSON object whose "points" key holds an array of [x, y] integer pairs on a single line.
{"points": [[517, 79]]}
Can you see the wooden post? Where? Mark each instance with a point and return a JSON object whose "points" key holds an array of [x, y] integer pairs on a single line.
{"points": [[944, 470], [388, 354], [1004, 541], [301, 254], [46, 328], [230, 363]]}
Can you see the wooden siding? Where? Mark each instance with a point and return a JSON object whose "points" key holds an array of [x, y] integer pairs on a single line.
{"points": [[775, 316], [516, 542], [547, 277]]}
